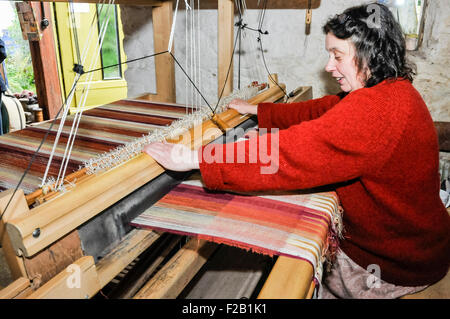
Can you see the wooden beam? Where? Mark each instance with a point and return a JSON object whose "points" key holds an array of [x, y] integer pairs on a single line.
{"points": [[273, 79], [43, 55], [289, 279], [178, 272], [17, 207], [283, 4], [51, 261], [144, 268], [69, 210], [302, 93], [20, 288], [225, 36], [258, 4], [134, 243], [164, 64], [83, 279], [212, 4], [268, 95], [122, 2], [78, 281]]}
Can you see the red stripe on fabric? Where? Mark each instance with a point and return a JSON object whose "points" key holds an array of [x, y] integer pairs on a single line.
{"points": [[299, 227], [155, 106], [288, 210], [298, 223], [88, 143], [19, 159], [132, 117], [97, 126]]}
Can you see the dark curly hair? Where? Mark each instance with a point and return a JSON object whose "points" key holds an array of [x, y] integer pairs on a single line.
{"points": [[378, 39]]}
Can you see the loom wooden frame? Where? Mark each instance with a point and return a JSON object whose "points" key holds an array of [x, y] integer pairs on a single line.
{"points": [[18, 241], [136, 242], [68, 210]]}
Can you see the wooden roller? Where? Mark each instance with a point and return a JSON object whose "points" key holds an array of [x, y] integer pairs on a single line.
{"points": [[290, 279]]}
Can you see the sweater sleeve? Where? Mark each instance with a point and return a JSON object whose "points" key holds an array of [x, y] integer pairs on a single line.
{"points": [[272, 115], [347, 141]]}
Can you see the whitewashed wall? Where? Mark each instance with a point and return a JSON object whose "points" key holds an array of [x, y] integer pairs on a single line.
{"points": [[298, 59], [433, 60]]}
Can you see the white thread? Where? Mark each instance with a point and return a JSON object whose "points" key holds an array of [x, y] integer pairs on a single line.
{"points": [[83, 98], [70, 151], [64, 158], [172, 31], [67, 105], [61, 125]]}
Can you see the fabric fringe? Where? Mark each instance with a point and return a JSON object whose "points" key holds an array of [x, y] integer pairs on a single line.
{"points": [[335, 234]]}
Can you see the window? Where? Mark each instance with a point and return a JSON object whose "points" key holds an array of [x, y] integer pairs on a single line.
{"points": [[110, 51], [409, 13]]}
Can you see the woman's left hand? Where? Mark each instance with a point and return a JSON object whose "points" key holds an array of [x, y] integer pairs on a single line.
{"points": [[174, 157]]}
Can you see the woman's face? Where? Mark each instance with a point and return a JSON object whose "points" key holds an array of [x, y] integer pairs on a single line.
{"points": [[342, 63]]}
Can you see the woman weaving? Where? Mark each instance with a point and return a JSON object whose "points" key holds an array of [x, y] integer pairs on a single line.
{"points": [[375, 143]]}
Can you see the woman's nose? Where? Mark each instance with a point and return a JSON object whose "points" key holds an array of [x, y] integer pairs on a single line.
{"points": [[330, 67]]}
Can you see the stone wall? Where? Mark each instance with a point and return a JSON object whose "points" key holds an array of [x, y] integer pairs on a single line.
{"points": [[298, 59], [433, 60], [138, 42]]}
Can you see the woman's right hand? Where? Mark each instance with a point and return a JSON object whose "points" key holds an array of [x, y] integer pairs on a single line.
{"points": [[243, 107]]}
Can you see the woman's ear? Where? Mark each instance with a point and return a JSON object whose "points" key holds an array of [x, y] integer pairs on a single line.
{"points": [[364, 73]]}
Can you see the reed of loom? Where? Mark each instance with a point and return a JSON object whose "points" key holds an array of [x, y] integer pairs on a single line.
{"points": [[49, 190]]}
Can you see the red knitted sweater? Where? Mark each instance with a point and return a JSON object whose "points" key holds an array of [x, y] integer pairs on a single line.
{"points": [[378, 147]]}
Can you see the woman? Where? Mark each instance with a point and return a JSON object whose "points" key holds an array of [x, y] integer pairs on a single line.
{"points": [[376, 144]]}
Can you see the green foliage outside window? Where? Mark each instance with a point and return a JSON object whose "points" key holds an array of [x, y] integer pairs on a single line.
{"points": [[110, 46], [18, 64], [19, 67]]}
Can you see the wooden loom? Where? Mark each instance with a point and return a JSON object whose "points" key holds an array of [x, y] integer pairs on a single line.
{"points": [[30, 237], [59, 217]]}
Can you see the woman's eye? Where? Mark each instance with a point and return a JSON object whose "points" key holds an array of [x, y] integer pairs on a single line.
{"points": [[338, 58]]}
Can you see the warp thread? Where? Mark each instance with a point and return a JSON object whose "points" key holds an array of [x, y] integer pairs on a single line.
{"points": [[130, 150]]}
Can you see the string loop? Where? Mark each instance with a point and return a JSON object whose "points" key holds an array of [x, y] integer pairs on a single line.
{"points": [[78, 68]]}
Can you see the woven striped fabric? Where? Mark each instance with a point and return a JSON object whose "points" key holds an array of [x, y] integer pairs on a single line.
{"points": [[100, 130], [298, 226]]}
